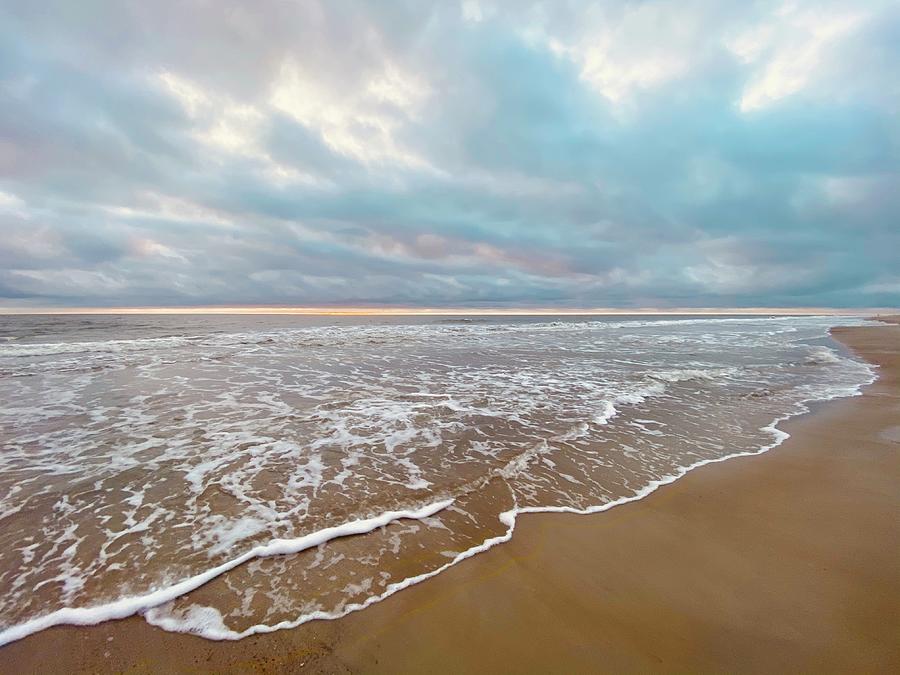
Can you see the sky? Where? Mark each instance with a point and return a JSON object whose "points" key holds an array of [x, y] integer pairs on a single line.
{"points": [[450, 154]]}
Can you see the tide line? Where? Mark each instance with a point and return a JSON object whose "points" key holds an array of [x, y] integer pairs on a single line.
{"points": [[124, 607]]}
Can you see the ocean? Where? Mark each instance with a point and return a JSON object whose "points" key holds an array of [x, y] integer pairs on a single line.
{"points": [[230, 475]]}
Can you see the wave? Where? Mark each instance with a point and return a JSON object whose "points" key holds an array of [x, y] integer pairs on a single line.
{"points": [[123, 607], [207, 622], [822, 355], [327, 336], [693, 374], [53, 348]]}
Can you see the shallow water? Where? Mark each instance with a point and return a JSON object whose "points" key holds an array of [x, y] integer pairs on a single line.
{"points": [[143, 457]]}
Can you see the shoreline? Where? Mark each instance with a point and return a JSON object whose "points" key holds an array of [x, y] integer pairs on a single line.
{"points": [[144, 605], [440, 311], [361, 640]]}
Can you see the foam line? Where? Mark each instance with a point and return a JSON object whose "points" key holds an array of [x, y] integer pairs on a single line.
{"points": [[508, 518], [119, 609]]}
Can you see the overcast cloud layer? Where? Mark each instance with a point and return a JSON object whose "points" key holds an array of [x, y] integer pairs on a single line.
{"points": [[486, 154]]}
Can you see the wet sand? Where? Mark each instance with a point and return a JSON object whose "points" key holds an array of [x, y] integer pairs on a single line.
{"points": [[789, 561]]}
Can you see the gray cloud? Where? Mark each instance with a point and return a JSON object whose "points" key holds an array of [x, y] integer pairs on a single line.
{"points": [[617, 154]]}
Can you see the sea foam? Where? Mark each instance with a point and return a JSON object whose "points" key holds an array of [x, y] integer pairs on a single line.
{"points": [[214, 450], [128, 606]]}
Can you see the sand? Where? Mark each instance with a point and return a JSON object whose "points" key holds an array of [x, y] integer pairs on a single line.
{"points": [[789, 561]]}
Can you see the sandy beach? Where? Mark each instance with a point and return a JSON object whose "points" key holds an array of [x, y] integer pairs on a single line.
{"points": [[789, 561]]}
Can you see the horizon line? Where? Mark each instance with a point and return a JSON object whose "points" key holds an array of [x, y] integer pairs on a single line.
{"points": [[435, 311]]}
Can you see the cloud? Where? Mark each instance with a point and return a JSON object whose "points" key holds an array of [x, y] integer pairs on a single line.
{"points": [[486, 153], [792, 45]]}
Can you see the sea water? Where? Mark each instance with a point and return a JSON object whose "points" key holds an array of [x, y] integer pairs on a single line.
{"points": [[229, 475]]}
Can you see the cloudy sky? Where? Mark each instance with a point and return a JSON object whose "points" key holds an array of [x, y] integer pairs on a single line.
{"points": [[571, 154]]}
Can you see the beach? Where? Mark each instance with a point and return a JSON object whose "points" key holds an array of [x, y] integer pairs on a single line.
{"points": [[786, 561], [449, 337]]}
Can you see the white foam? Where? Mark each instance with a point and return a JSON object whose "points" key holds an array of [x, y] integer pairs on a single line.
{"points": [[119, 609], [206, 624], [641, 394], [821, 355], [53, 348], [607, 412], [203, 623], [688, 374]]}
